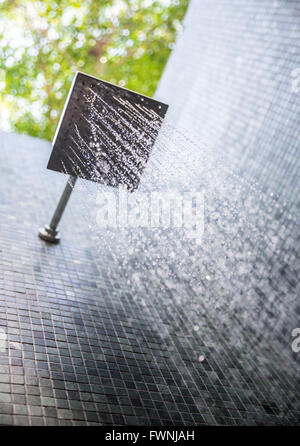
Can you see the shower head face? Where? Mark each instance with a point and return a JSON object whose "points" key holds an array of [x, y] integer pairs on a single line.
{"points": [[106, 133]]}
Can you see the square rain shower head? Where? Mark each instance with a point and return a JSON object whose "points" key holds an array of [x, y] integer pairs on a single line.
{"points": [[105, 133]]}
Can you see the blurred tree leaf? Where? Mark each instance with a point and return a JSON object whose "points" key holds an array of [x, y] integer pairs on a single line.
{"points": [[43, 43]]}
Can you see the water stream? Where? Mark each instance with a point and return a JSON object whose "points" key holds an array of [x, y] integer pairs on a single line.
{"points": [[226, 259]]}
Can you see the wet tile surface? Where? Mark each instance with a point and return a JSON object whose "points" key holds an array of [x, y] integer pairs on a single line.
{"points": [[78, 347]]}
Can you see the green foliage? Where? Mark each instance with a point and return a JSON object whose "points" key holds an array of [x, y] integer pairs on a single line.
{"points": [[43, 43]]}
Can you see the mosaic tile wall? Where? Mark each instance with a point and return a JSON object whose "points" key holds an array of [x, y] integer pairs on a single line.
{"points": [[79, 348], [81, 343]]}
